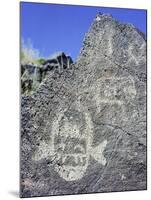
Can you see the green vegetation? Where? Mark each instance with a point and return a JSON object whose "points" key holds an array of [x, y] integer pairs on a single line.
{"points": [[41, 61], [29, 55]]}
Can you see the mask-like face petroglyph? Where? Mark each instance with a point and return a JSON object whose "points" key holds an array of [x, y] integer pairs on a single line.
{"points": [[118, 90], [110, 97], [70, 147]]}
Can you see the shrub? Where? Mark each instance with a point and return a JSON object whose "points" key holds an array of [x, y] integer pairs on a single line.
{"points": [[41, 61], [28, 54]]}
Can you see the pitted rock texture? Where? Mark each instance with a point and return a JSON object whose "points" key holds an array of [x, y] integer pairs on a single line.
{"points": [[84, 130]]}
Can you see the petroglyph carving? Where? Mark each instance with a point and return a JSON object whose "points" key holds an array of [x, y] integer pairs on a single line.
{"points": [[111, 95], [71, 132], [70, 146], [115, 89]]}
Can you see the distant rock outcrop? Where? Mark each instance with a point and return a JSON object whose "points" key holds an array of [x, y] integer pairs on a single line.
{"points": [[84, 130], [32, 75]]}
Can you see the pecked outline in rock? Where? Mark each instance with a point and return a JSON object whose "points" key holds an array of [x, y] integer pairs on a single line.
{"points": [[71, 173]]}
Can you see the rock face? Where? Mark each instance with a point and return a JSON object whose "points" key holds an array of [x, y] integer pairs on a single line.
{"points": [[84, 130]]}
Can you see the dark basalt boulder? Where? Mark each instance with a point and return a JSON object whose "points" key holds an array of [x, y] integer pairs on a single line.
{"points": [[84, 130]]}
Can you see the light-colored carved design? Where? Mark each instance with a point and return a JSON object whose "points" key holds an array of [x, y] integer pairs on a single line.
{"points": [[71, 132], [70, 146]]}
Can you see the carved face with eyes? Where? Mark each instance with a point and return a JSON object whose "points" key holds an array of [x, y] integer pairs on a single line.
{"points": [[118, 89], [111, 98], [70, 145], [73, 145]]}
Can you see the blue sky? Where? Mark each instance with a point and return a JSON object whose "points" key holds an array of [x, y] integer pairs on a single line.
{"points": [[52, 28]]}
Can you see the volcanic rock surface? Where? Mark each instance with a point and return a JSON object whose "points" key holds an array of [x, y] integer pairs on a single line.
{"points": [[84, 129]]}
